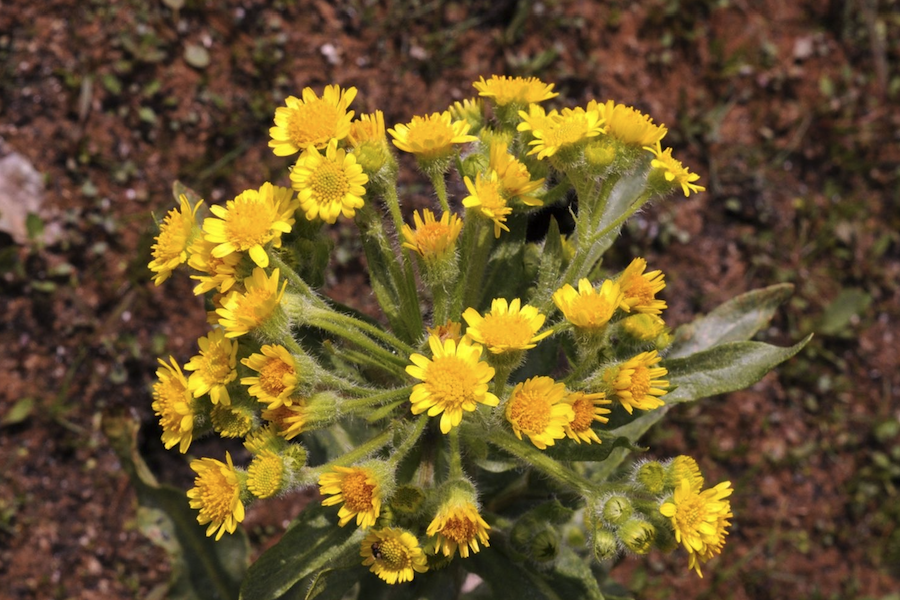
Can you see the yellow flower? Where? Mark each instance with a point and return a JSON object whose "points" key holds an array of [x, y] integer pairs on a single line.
{"points": [[242, 312], [644, 327], [536, 408], [289, 421], [263, 439], [588, 308], [431, 137], [627, 124], [470, 110], [218, 273], [368, 128], [508, 326], [504, 90], [172, 404], [393, 554], [640, 288], [250, 221], [329, 185], [277, 377], [175, 236], [674, 172], [230, 421], [700, 520], [358, 489], [214, 368], [636, 383], [587, 409], [684, 468], [454, 380], [451, 330], [265, 475], [515, 180], [432, 240], [536, 119], [486, 196], [216, 493], [566, 131], [458, 525], [312, 121]]}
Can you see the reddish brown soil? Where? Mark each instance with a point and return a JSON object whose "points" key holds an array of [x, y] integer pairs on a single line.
{"points": [[782, 107]]}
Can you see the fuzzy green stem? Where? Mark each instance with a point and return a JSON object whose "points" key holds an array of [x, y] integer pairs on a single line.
{"points": [[440, 188], [475, 265], [358, 453], [348, 322], [456, 470], [295, 280], [360, 340], [376, 399], [410, 439]]}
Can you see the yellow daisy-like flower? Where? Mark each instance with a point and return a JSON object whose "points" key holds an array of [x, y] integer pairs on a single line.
{"points": [[470, 110], [640, 288], [329, 185], [588, 308], [214, 368], [565, 131], [432, 240], [265, 475], [508, 327], [536, 119], [277, 377], [700, 520], [684, 468], [458, 526], [486, 196], [175, 236], [263, 439], [515, 180], [289, 421], [673, 171], [250, 221], [431, 137], [587, 409], [637, 384], [627, 124], [454, 380], [242, 312], [504, 90], [451, 330], [359, 491], [172, 404], [368, 128], [218, 273], [311, 121], [217, 494], [644, 327], [230, 421], [536, 408], [393, 554]]}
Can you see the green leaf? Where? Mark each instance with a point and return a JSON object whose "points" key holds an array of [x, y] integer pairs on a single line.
{"points": [[839, 314], [734, 321], [508, 578], [202, 568], [443, 584], [196, 56], [571, 577], [551, 258], [179, 188], [569, 450], [313, 542], [20, 411]]}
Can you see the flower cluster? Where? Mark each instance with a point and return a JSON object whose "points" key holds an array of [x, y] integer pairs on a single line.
{"points": [[401, 426]]}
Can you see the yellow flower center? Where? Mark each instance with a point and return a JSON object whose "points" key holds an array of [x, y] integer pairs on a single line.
{"points": [[357, 491], [459, 530], [393, 554], [168, 393], [564, 133], [314, 122], [216, 364], [690, 514], [251, 304], [329, 182], [640, 382], [271, 376], [584, 414], [217, 494], [530, 412], [451, 381], [637, 287], [506, 330], [173, 238], [433, 238], [250, 221], [265, 475], [593, 309], [430, 134]]}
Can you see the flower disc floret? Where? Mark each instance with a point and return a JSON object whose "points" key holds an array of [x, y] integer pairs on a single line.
{"points": [[700, 520], [566, 130], [216, 494], [458, 526], [486, 197], [588, 409], [453, 380], [250, 221], [536, 408], [265, 475], [588, 308], [432, 137], [673, 171], [432, 240], [277, 379], [508, 327], [217, 273], [357, 489], [684, 467], [393, 554], [175, 236], [242, 312], [636, 382], [640, 288], [329, 185], [503, 90], [172, 403], [214, 368], [311, 121]]}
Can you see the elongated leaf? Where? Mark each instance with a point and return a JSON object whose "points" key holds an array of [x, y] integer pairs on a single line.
{"points": [[443, 584], [201, 567], [508, 578], [734, 321], [571, 577], [313, 543], [332, 582], [569, 450]]}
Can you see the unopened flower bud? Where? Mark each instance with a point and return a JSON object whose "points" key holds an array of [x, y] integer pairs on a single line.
{"points": [[605, 544], [637, 536], [617, 510], [544, 546], [652, 476]]}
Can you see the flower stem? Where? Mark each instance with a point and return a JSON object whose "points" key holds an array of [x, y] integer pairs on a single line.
{"points": [[456, 470], [440, 188]]}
